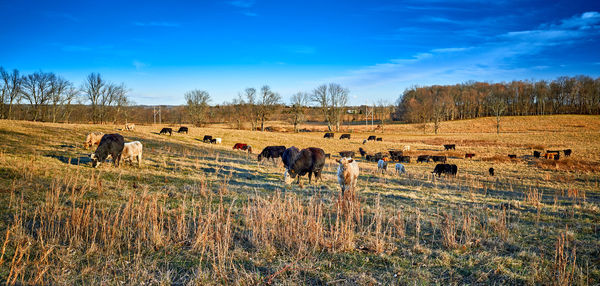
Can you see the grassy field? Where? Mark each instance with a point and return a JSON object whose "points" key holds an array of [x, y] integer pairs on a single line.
{"points": [[197, 213]]}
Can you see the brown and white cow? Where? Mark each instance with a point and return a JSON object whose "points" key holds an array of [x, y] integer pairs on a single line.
{"points": [[132, 150], [92, 139]]}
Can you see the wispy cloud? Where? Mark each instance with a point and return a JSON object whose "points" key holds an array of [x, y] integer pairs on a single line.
{"points": [[139, 65], [242, 3], [249, 14], [158, 24]]}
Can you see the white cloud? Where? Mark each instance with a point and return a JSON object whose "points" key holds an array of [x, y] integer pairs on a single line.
{"points": [[139, 65], [242, 3]]}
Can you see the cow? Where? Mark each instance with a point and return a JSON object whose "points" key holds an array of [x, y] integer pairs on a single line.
{"points": [[469, 155], [166, 130], [271, 152], [362, 151], [395, 155], [442, 159], [213, 141], [448, 169], [247, 148], [491, 171], [382, 166], [217, 140], [369, 157], [378, 156], [129, 126], [132, 150], [328, 155], [405, 159], [347, 174], [400, 169], [328, 135], [345, 136], [553, 151], [406, 148], [111, 144], [512, 156], [309, 161], [364, 141], [92, 139], [450, 147], [288, 156], [348, 154], [379, 139], [207, 138], [567, 152], [537, 154], [242, 146], [549, 156], [423, 158], [556, 156], [372, 138], [183, 129]]}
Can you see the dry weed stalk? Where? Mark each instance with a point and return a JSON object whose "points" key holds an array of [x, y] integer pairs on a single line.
{"points": [[564, 266]]}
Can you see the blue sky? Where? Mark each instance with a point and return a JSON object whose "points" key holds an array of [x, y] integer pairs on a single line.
{"points": [[377, 49]]}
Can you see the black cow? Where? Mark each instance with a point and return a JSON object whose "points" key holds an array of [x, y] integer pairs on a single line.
{"points": [[379, 139], [553, 151], [328, 155], [405, 159], [567, 152], [395, 155], [288, 156], [557, 156], [328, 135], [512, 156], [491, 171], [349, 154], [423, 158], [448, 169], [310, 160], [183, 129], [469, 155], [166, 130], [109, 144], [372, 138], [207, 138], [362, 151], [450, 146], [345, 136], [271, 152], [442, 159], [537, 154]]}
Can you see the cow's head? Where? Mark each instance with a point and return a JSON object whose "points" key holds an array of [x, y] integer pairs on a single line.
{"points": [[344, 162], [287, 178], [95, 161]]}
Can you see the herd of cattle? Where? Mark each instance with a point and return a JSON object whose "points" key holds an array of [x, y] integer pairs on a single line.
{"points": [[297, 162]]}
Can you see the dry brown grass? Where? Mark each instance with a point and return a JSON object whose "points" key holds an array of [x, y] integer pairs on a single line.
{"points": [[569, 164]]}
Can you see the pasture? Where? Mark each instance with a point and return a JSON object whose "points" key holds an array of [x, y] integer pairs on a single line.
{"points": [[199, 213]]}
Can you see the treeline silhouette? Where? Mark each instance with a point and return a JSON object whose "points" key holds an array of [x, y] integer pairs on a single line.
{"points": [[564, 95]]}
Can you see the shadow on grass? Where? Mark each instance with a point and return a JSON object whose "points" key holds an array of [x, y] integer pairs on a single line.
{"points": [[69, 160]]}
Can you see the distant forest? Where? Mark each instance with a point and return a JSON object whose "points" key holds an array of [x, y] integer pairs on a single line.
{"points": [[48, 97]]}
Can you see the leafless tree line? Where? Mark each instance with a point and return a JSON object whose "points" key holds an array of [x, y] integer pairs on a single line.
{"points": [[564, 95]]}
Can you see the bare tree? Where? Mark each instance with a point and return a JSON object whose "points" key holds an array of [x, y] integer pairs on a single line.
{"points": [[93, 89], [38, 89], [320, 97], [251, 107], [332, 100], [385, 111], [71, 94], [197, 105], [11, 89], [59, 87], [120, 101], [267, 104], [299, 102], [498, 105]]}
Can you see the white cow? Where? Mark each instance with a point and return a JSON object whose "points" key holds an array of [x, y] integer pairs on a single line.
{"points": [[406, 148], [382, 166], [347, 174], [129, 126], [132, 150], [217, 140], [400, 169]]}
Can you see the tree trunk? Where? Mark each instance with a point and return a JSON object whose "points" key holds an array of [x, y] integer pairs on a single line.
{"points": [[262, 122], [497, 123]]}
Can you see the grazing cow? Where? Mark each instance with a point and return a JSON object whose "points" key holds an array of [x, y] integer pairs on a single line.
{"points": [[491, 171], [567, 152], [132, 150], [378, 156], [129, 126], [406, 148], [556, 156], [92, 139], [207, 138], [405, 159], [362, 151], [166, 130], [512, 156], [423, 158], [111, 144], [183, 129], [469, 155], [364, 141], [549, 156], [450, 146], [400, 169], [347, 173], [215, 141], [348, 154], [395, 155], [372, 138], [310, 160], [345, 136], [271, 152], [448, 169], [382, 166], [239, 146], [537, 154], [328, 135], [288, 156], [369, 157], [328, 155], [442, 159], [247, 148], [553, 151], [379, 139]]}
